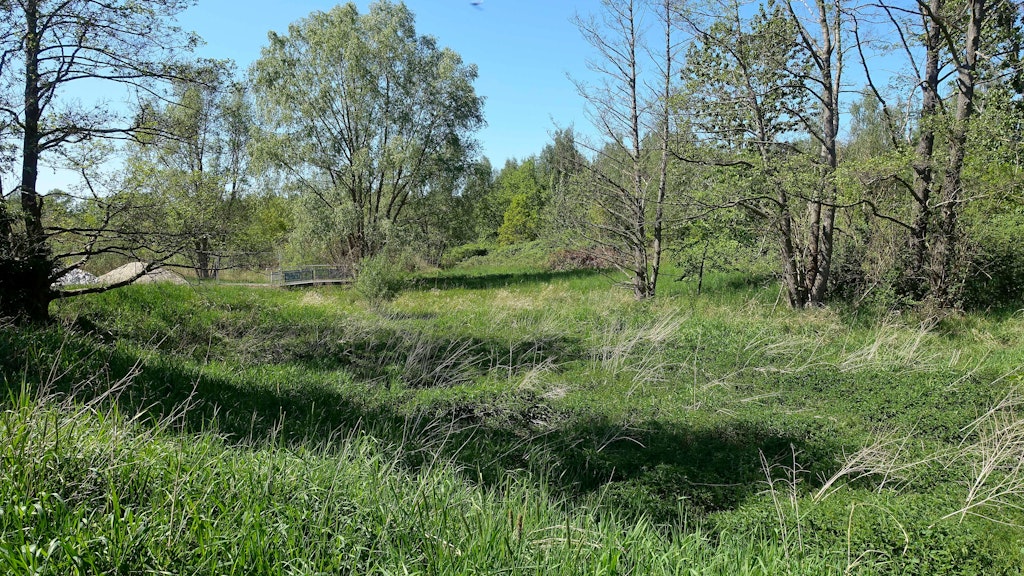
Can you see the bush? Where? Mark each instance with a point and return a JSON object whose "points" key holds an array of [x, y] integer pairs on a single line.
{"points": [[595, 258], [520, 222], [462, 253], [997, 269], [380, 278]]}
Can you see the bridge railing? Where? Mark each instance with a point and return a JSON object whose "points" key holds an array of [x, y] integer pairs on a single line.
{"points": [[316, 274]]}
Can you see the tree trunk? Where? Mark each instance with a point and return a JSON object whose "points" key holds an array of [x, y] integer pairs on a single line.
{"points": [[203, 268], [25, 288], [923, 174], [641, 264], [944, 255], [659, 209], [25, 293], [791, 272], [831, 68]]}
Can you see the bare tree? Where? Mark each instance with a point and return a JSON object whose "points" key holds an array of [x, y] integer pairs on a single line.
{"points": [[628, 176]]}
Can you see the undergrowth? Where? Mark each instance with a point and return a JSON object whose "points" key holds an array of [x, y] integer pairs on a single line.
{"points": [[486, 421]]}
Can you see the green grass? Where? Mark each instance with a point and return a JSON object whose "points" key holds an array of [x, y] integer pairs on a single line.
{"points": [[94, 494], [529, 422]]}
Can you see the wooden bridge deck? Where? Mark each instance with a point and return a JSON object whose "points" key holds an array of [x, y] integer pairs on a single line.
{"points": [[308, 275]]}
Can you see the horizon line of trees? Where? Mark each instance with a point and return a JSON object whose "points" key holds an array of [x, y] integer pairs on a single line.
{"points": [[727, 135]]}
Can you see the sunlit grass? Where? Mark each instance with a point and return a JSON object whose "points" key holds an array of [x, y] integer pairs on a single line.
{"points": [[717, 434]]}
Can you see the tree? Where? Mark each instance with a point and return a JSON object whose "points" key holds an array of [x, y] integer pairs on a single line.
{"points": [[197, 163], [560, 160], [823, 82], [963, 46], [476, 194], [747, 94], [363, 113], [520, 221], [559, 165], [632, 115], [974, 43], [46, 48], [522, 195]]}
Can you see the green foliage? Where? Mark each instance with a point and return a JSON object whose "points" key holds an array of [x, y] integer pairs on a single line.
{"points": [[997, 269], [320, 233], [191, 167], [753, 61], [459, 254], [381, 278], [532, 255], [520, 222], [515, 203], [362, 115], [266, 224], [725, 241]]}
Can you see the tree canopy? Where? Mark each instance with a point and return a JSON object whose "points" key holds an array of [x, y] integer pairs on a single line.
{"points": [[363, 113], [46, 48]]}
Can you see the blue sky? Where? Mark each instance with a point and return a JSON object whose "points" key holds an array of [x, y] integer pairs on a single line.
{"points": [[522, 48]]}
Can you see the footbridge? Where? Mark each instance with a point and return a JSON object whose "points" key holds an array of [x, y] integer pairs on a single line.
{"points": [[307, 275]]}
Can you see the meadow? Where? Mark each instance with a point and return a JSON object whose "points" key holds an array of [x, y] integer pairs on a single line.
{"points": [[494, 419]]}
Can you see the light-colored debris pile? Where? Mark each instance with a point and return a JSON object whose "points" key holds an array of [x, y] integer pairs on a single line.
{"points": [[76, 277], [134, 268]]}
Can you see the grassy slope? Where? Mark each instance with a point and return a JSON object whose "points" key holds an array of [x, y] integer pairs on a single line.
{"points": [[533, 422]]}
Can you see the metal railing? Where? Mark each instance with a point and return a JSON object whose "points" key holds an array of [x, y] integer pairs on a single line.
{"points": [[317, 274]]}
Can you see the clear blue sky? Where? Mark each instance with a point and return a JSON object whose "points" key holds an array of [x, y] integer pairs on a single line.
{"points": [[522, 48]]}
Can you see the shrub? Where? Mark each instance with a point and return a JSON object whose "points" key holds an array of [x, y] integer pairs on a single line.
{"points": [[462, 253], [520, 222], [380, 278], [997, 269]]}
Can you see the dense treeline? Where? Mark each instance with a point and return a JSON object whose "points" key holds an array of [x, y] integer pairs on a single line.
{"points": [[774, 137]]}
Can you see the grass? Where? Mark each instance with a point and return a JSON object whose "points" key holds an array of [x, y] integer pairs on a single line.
{"points": [[486, 421], [108, 495]]}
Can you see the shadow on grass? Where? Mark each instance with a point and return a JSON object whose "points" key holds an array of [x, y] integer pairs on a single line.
{"points": [[500, 280], [406, 357], [668, 472], [664, 471]]}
